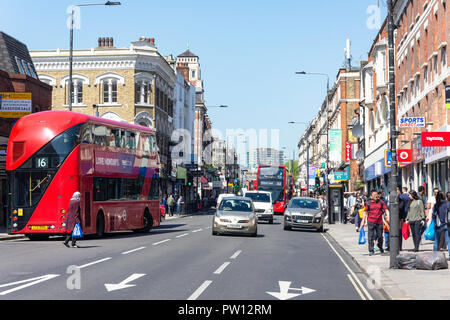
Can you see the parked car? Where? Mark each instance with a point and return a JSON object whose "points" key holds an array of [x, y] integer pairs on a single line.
{"points": [[304, 213], [262, 201], [235, 215]]}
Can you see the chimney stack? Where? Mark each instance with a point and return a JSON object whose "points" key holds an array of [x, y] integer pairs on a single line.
{"points": [[183, 69], [106, 42]]}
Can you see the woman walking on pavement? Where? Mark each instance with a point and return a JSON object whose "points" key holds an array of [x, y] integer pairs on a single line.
{"points": [[415, 218], [439, 215], [73, 217]]}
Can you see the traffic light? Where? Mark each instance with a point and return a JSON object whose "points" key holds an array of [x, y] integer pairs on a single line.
{"points": [[317, 182], [190, 180]]}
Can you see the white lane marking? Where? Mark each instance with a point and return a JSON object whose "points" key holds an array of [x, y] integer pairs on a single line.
{"points": [[221, 268], [134, 250], [197, 230], [348, 268], [200, 290], [32, 282], [124, 284], [156, 243], [208, 227], [235, 255], [182, 235], [92, 263], [356, 287]]}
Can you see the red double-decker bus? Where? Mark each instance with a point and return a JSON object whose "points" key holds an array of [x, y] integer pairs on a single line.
{"points": [[115, 166], [273, 178]]}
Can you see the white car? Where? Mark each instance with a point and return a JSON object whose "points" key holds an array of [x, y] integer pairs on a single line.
{"points": [[223, 195], [262, 201]]}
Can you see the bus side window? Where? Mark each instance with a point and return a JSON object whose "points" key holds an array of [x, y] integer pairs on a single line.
{"points": [[130, 140], [100, 135], [114, 139], [147, 146], [153, 147], [85, 133]]}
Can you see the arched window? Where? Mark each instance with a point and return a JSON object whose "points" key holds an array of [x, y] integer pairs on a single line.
{"points": [[109, 86], [78, 82]]}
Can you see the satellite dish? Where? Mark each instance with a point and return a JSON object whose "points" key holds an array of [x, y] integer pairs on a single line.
{"points": [[359, 154], [358, 131]]}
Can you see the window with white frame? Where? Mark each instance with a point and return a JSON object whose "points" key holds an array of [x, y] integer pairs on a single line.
{"points": [[444, 57], [142, 93], [417, 84], [425, 75], [109, 91], [76, 93]]}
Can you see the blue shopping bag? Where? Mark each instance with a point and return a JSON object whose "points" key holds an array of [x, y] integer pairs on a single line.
{"points": [[362, 237], [77, 233], [429, 233]]}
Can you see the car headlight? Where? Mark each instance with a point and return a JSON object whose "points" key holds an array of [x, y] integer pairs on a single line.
{"points": [[288, 213], [318, 215], [269, 210]]}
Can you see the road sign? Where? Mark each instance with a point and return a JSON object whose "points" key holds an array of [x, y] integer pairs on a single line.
{"points": [[387, 158], [342, 175]]}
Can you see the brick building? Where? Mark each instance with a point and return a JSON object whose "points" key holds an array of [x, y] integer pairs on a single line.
{"points": [[422, 73]]}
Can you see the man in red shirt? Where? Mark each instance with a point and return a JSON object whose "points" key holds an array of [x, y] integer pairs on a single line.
{"points": [[376, 214]]}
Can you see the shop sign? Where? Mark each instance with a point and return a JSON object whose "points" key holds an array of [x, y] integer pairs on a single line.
{"points": [[3, 152], [412, 122], [15, 104], [387, 158], [435, 139], [348, 151], [342, 175], [404, 155]]}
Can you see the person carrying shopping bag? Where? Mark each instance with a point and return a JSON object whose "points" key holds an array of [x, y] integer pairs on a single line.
{"points": [[73, 218], [415, 218], [376, 214], [439, 216]]}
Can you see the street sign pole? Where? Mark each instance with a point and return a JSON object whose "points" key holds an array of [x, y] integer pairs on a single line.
{"points": [[394, 234]]}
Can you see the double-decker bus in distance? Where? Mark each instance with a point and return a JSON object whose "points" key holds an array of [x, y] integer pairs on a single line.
{"points": [[291, 186], [114, 165], [273, 178]]}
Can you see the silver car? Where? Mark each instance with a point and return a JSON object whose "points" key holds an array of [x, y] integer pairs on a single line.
{"points": [[235, 215], [304, 213]]}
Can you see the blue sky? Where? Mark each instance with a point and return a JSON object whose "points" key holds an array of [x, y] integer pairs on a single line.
{"points": [[249, 49]]}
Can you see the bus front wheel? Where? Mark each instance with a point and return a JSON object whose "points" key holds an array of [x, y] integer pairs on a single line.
{"points": [[148, 221]]}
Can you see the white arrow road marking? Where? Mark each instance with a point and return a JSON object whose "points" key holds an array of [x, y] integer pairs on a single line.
{"points": [[285, 286], [124, 284], [32, 282]]}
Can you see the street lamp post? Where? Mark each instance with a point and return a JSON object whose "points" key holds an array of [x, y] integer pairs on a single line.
{"points": [[330, 218], [70, 85]]}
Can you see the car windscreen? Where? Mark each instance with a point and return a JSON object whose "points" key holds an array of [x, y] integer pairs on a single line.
{"points": [[235, 205], [258, 197], [304, 204]]}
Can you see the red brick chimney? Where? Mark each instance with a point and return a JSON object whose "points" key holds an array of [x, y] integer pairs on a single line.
{"points": [[105, 42], [183, 69]]}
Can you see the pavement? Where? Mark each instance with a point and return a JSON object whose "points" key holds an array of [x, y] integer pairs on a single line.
{"points": [[396, 284]]}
